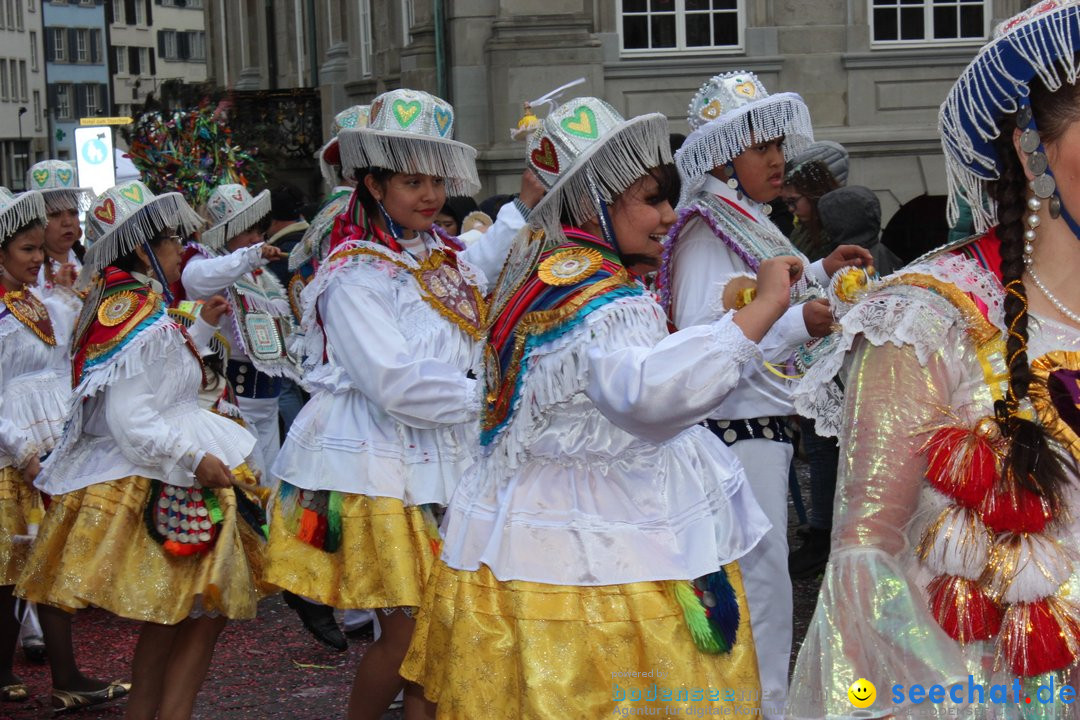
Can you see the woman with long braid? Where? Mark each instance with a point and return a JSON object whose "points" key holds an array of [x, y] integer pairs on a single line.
{"points": [[957, 502]]}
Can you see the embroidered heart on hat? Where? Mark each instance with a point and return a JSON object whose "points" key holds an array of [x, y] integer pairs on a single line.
{"points": [[406, 112], [443, 119], [132, 193], [41, 177], [64, 176], [376, 108], [712, 110], [238, 195], [746, 89], [544, 157], [582, 124], [106, 212]]}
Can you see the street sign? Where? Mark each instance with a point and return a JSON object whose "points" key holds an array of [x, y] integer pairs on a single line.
{"points": [[94, 157], [90, 121]]}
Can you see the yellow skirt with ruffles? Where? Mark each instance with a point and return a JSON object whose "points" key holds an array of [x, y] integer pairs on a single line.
{"points": [[18, 500], [484, 648], [386, 553], [94, 549]]}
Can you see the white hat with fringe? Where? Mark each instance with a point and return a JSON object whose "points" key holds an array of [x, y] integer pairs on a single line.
{"points": [[232, 210], [58, 183], [124, 217], [18, 211], [585, 147], [1041, 42], [315, 241], [410, 131], [731, 112], [329, 155]]}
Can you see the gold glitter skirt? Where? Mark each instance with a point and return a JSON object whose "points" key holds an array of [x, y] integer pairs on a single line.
{"points": [[520, 649], [94, 549], [384, 560], [18, 499]]}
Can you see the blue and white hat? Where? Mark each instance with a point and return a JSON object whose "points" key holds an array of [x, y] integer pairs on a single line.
{"points": [[1042, 42], [410, 131], [231, 210]]}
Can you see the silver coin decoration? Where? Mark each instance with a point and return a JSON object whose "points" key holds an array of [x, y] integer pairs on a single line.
{"points": [[1029, 141], [1055, 207], [1023, 117], [1037, 163], [1043, 186]]}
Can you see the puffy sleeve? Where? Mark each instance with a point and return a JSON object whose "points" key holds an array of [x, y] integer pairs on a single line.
{"points": [[205, 276], [201, 332], [872, 619], [142, 434], [657, 392], [15, 443], [489, 251], [359, 315]]}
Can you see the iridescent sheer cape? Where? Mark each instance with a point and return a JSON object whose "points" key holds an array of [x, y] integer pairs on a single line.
{"points": [[908, 362]]}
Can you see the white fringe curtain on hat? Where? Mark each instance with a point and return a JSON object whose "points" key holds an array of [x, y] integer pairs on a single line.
{"points": [[1043, 46], [410, 153], [164, 211], [613, 164], [242, 220], [59, 200], [23, 210]]}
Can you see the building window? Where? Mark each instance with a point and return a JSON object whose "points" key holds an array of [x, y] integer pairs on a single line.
{"points": [[3, 80], [23, 94], [93, 100], [87, 3], [14, 80], [929, 22], [82, 46], [63, 102], [120, 59], [10, 14], [167, 45], [31, 5], [365, 38], [59, 39], [37, 110], [663, 26], [18, 15], [194, 5], [33, 52], [139, 16], [118, 12], [197, 45]]}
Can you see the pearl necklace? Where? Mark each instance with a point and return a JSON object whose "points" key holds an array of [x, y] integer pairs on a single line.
{"points": [[1051, 297]]}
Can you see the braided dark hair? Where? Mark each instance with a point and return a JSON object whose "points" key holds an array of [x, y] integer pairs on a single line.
{"points": [[1030, 458]]}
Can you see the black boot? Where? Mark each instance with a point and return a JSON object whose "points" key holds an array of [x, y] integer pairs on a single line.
{"points": [[319, 620], [811, 557]]}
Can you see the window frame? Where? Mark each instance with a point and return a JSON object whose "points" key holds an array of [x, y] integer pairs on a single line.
{"points": [[92, 90], [192, 56], [33, 51], [928, 40], [82, 46], [3, 80], [65, 104], [60, 50], [367, 54], [681, 49], [120, 56]]}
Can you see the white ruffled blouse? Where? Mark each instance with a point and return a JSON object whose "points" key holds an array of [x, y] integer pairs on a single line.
{"points": [[35, 383], [603, 475], [137, 413], [392, 412]]}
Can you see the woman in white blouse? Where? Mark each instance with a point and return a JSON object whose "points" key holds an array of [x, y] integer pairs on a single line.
{"points": [[143, 521]]}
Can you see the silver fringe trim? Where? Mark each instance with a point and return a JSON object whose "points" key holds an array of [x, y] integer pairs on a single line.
{"points": [[1048, 45], [719, 141], [215, 237], [58, 200], [164, 211], [311, 244], [409, 153], [28, 206], [613, 164]]}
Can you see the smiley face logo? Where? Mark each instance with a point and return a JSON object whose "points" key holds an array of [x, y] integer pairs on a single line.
{"points": [[862, 693]]}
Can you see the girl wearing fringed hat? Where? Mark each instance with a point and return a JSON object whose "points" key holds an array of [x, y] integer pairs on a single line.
{"points": [[228, 260], [392, 325], [589, 566], [57, 182], [731, 165], [957, 504], [144, 521], [35, 389]]}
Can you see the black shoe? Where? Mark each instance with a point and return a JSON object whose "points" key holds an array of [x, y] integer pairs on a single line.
{"points": [[319, 621], [811, 557]]}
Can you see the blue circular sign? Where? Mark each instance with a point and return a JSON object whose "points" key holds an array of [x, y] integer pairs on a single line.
{"points": [[95, 151]]}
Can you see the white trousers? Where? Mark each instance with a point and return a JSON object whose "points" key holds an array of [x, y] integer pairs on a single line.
{"points": [[261, 415], [765, 569]]}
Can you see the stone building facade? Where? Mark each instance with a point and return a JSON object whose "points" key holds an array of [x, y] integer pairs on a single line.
{"points": [[873, 72], [23, 129]]}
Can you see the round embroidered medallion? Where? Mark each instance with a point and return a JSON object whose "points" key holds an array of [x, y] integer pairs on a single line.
{"points": [[117, 309], [570, 266]]}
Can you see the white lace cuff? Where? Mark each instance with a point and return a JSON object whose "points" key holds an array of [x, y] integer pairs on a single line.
{"points": [[728, 338]]}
